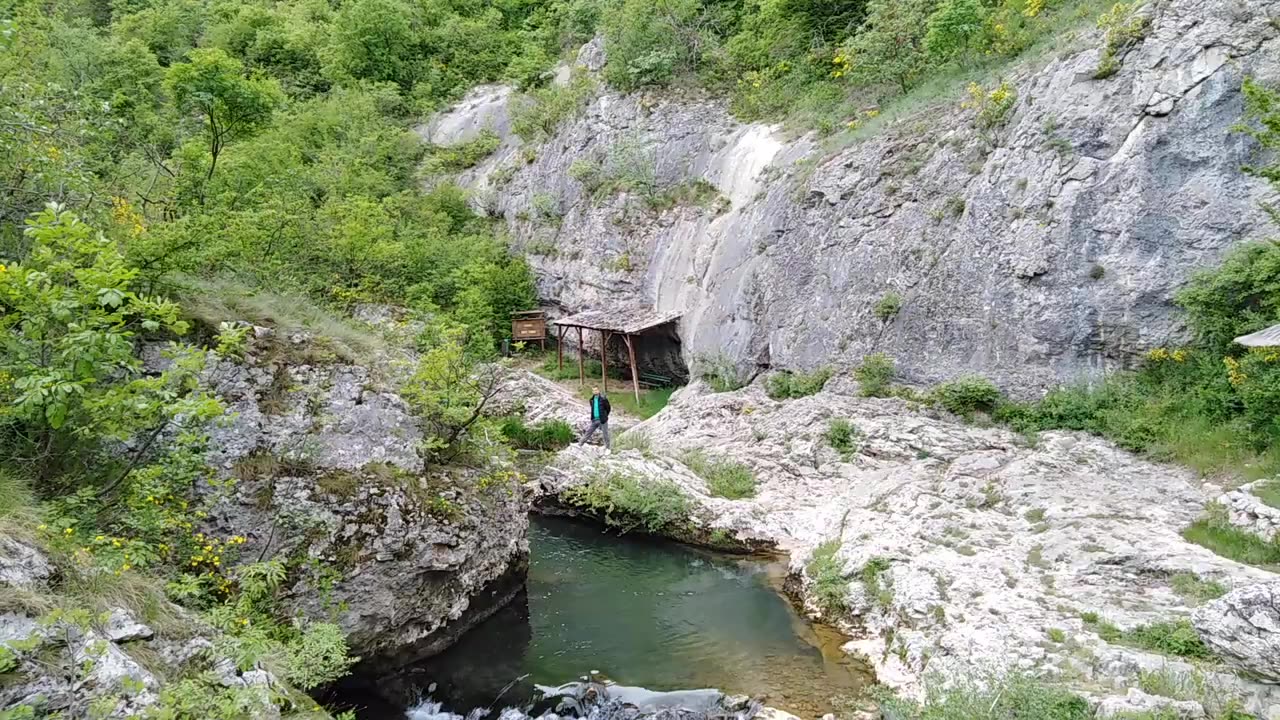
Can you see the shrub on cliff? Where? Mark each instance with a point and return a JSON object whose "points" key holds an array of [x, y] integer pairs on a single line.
{"points": [[627, 502], [785, 385], [967, 395]]}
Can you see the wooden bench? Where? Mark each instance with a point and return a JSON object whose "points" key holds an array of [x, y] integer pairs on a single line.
{"points": [[653, 380]]}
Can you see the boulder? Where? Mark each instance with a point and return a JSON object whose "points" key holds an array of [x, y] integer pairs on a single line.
{"points": [[1243, 627]]}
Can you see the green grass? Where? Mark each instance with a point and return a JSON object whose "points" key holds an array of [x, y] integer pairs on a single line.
{"points": [[724, 477], [1195, 589], [651, 400], [627, 502], [784, 385], [633, 440], [1012, 697], [1057, 635], [1172, 637], [828, 577], [214, 301], [1269, 493], [1216, 534], [546, 435], [870, 574]]}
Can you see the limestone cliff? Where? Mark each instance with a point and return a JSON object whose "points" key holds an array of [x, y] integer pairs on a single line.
{"points": [[1044, 250]]}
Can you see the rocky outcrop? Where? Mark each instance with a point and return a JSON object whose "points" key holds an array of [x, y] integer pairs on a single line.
{"points": [[1040, 252], [954, 546], [1246, 510], [328, 474], [1244, 628], [108, 664]]}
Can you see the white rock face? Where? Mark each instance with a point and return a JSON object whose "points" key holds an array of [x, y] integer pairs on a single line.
{"points": [[989, 542], [122, 627], [1244, 628], [1137, 701], [1040, 252]]}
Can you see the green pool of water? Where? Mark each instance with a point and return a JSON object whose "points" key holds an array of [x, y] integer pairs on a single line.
{"points": [[653, 614]]}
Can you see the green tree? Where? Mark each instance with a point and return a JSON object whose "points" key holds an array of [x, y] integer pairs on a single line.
{"points": [[649, 41], [952, 29], [69, 376], [889, 47], [450, 391], [375, 40], [229, 106]]}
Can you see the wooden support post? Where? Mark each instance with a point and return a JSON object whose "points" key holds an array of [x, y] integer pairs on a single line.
{"points": [[582, 373], [604, 362], [560, 348], [635, 374]]}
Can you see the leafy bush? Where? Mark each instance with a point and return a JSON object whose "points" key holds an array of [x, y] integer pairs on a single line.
{"points": [[628, 502], [875, 374], [953, 29], [649, 41], [887, 307], [537, 115], [720, 373], [827, 573], [991, 107], [785, 384], [1176, 638], [460, 157], [546, 435], [967, 395], [1122, 27], [843, 436], [725, 478]]}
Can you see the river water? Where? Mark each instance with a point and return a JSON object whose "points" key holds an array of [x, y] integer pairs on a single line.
{"points": [[640, 612]]}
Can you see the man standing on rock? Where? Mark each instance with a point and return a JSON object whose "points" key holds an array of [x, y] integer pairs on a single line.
{"points": [[599, 416]]}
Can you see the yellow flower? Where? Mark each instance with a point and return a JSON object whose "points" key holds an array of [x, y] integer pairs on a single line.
{"points": [[115, 542], [68, 531], [42, 527]]}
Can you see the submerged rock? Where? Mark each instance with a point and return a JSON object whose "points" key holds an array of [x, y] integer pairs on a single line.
{"points": [[590, 700], [1243, 627]]}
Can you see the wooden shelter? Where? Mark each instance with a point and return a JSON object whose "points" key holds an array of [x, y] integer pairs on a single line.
{"points": [[1269, 337], [628, 322]]}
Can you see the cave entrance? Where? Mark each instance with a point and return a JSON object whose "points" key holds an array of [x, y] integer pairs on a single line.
{"points": [[645, 340]]}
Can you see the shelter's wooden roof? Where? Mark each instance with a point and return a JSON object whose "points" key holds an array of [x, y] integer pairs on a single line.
{"points": [[629, 319], [1263, 338]]}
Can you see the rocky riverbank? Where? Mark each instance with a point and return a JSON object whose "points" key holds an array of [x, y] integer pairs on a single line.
{"points": [[941, 546]]}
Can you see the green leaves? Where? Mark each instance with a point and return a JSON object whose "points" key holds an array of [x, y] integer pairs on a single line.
{"points": [[68, 312]]}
